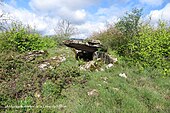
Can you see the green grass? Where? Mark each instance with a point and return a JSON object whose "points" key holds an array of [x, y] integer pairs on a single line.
{"points": [[130, 96], [65, 88]]}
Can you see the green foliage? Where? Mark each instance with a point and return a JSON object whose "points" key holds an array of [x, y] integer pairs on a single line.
{"points": [[65, 88], [65, 75], [50, 89], [118, 36], [48, 42], [22, 38], [24, 84], [111, 38], [138, 43], [18, 80], [151, 48], [129, 25], [59, 40], [138, 93]]}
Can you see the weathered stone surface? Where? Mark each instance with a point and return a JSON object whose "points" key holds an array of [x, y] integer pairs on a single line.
{"points": [[94, 42], [123, 75], [93, 92], [30, 56], [106, 58], [43, 65], [80, 45], [89, 50], [88, 66], [109, 66]]}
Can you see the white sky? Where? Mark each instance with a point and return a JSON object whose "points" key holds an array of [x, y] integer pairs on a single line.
{"points": [[87, 15]]}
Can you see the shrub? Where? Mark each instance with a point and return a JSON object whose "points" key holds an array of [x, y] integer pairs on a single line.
{"points": [[48, 42], [152, 47], [140, 44], [111, 38], [118, 36], [22, 38], [129, 25]]}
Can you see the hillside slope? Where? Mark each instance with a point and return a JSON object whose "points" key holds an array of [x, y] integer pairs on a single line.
{"points": [[66, 88]]}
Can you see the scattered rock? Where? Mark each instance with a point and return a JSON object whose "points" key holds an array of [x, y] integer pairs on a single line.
{"points": [[105, 82], [113, 59], [104, 78], [98, 104], [167, 97], [51, 67], [123, 75], [93, 92], [54, 58], [109, 66], [99, 84], [62, 58], [37, 94], [95, 65], [30, 56], [98, 59], [105, 57], [82, 68], [44, 66], [88, 51], [61, 107], [101, 69], [96, 70], [89, 65], [116, 89]]}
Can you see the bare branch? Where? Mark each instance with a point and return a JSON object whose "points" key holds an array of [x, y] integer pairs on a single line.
{"points": [[65, 29], [5, 21]]}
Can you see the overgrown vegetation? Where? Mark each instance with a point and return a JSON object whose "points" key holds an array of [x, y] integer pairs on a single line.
{"points": [[138, 42], [22, 38], [143, 55]]}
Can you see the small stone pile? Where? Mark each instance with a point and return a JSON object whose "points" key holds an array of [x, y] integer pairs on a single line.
{"points": [[30, 56], [43, 64]]}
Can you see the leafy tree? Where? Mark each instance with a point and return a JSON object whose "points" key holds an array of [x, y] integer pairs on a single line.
{"points": [[129, 25], [152, 47], [139, 43]]}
